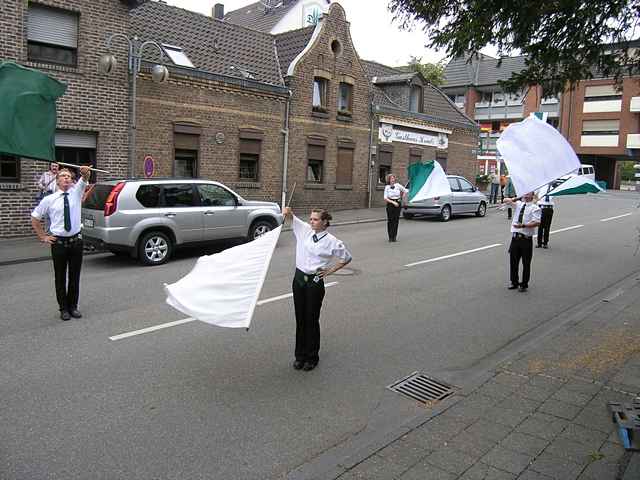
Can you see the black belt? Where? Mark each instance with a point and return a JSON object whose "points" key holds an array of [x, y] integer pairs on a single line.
{"points": [[546, 206], [60, 240], [306, 278], [521, 235]]}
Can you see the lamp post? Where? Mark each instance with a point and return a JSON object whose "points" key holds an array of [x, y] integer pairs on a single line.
{"points": [[159, 74]]}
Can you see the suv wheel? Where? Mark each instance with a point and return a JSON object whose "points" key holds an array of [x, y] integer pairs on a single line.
{"points": [[445, 213], [155, 248], [259, 228], [482, 210]]}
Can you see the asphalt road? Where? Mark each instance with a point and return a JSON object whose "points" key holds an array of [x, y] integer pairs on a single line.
{"points": [[195, 401]]}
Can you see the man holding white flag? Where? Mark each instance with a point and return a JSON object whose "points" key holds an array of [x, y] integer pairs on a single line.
{"points": [[526, 219]]}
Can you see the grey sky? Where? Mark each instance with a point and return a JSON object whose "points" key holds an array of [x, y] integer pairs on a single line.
{"points": [[374, 33]]}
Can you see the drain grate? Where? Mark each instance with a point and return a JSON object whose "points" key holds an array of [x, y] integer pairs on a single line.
{"points": [[422, 388]]}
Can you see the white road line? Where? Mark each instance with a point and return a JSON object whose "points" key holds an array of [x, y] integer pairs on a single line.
{"points": [[565, 229], [614, 218], [187, 320], [453, 255]]}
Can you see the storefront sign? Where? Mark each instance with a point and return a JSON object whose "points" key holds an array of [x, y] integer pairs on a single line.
{"points": [[390, 133], [149, 166]]}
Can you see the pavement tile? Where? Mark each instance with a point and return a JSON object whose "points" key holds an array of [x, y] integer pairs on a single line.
{"points": [[543, 426], [580, 386], [506, 416], [596, 419], [534, 393], [609, 465], [473, 445], [507, 460], [504, 378], [497, 390], [571, 396], [403, 453], [425, 471], [531, 475], [450, 460], [560, 409], [471, 408], [614, 437], [446, 425], [556, 468], [593, 439], [374, 468], [523, 443], [482, 471], [570, 450], [425, 440], [490, 430], [547, 383], [516, 402]]}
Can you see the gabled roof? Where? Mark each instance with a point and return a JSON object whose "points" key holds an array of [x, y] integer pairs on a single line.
{"points": [[258, 17], [397, 78], [375, 69], [212, 45], [290, 44], [481, 70]]}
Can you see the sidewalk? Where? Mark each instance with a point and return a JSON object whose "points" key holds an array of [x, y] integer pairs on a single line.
{"points": [[540, 415], [29, 249]]}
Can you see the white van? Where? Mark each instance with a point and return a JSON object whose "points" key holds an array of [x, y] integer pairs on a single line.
{"points": [[584, 170]]}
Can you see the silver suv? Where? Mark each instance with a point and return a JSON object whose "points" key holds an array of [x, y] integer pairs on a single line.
{"points": [[149, 218]]}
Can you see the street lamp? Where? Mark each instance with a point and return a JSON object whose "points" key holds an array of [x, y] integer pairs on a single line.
{"points": [[159, 74]]}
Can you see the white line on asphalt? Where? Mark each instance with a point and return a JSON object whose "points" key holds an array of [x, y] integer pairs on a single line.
{"points": [[614, 218], [187, 320], [565, 229], [452, 255]]}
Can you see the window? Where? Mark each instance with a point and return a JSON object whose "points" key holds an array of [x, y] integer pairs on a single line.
{"points": [[453, 183], [320, 94], [52, 35], [177, 56], [600, 127], [148, 195], [249, 159], [345, 100], [415, 156], [178, 195], [484, 99], [315, 163], [215, 196], [97, 197], [465, 186], [488, 144], [344, 168], [416, 99], [185, 163], [514, 98], [498, 98], [9, 169], [441, 158], [385, 157], [77, 156], [599, 93]]}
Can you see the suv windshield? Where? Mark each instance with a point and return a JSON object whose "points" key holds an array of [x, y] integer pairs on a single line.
{"points": [[97, 196]]}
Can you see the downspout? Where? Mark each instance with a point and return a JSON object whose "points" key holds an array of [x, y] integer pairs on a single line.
{"points": [[370, 169], [285, 155]]}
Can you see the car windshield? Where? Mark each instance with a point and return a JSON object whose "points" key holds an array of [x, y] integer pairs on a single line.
{"points": [[97, 196]]}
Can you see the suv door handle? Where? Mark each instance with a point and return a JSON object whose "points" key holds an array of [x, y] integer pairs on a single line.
{"points": [[170, 214], [209, 212]]}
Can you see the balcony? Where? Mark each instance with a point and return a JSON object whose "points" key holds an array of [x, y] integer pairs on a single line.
{"points": [[599, 141], [633, 140], [635, 104]]}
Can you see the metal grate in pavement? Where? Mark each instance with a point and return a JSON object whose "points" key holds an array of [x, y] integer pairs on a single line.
{"points": [[422, 388]]}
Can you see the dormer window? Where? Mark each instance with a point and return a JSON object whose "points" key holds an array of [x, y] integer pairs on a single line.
{"points": [[177, 56], [416, 99]]}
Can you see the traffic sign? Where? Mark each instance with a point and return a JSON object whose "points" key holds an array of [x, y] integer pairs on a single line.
{"points": [[149, 166]]}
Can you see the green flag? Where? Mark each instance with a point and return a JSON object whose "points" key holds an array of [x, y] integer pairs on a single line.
{"points": [[28, 112], [427, 180]]}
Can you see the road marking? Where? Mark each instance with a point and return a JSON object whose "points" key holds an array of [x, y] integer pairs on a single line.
{"points": [[453, 255], [614, 218], [187, 320], [565, 229]]}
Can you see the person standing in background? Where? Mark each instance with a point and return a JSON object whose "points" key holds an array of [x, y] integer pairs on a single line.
{"points": [[393, 194], [545, 202]]}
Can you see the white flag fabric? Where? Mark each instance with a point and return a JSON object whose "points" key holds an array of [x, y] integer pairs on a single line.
{"points": [[535, 154], [575, 186], [223, 289], [427, 180]]}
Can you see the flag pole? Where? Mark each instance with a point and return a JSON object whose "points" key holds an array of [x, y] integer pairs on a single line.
{"points": [[293, 190], [78, 166]]}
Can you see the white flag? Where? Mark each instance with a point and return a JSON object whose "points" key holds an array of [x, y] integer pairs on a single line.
{"points": [[223, 289], [427, 180], [535, 154]]}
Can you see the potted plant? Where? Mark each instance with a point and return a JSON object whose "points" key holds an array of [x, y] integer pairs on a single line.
{"points": [[482, 181]]}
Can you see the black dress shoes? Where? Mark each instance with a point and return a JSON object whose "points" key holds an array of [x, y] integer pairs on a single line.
{"points": [[512, 287], [308, 366], [64, 315], [522, 288], [75, 313], [298, 365]]}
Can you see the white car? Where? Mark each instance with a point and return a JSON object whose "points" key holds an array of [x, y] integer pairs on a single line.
{"points": [[585, 170]]}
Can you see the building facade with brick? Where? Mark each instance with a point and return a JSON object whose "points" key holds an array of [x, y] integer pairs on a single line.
{"points": [[65, 39]]}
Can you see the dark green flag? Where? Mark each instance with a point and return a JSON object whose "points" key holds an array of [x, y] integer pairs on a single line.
{"points": [[28, 112]]}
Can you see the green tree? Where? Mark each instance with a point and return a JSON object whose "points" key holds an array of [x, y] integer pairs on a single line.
{"points": [[563, 40], [434, 72]]}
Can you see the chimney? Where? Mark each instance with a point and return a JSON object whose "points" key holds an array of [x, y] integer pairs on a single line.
{"points": [[218, 11]]}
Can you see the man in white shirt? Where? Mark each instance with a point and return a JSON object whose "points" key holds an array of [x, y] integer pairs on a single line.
{"points": [[63, 207], [47, 181], [393, 194], [523, 227], [545, 202]]}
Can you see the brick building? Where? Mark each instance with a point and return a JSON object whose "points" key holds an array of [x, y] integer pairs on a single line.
{"points": [[64, 39]]}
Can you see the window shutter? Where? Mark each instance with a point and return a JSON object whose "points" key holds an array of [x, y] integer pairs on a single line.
{"points": [[315, 152], [67, 138], [384, 157], [344, 169], [251, 147], [186, 142], [52, 26]]}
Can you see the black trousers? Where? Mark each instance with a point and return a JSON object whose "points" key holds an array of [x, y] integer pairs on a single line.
{"points": [[307, 301], [493, 195], [393, 217], [67, 258], [545, 225], [521, 248]]}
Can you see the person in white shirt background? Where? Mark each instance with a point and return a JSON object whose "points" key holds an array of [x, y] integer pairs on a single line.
{"points": [[546, 203], [318, 254], [47, 181], [63, 207], [393, 194], [526, 219]]}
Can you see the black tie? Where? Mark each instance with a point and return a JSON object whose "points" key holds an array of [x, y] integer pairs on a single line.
{"points": [[521, 214], [546, 198], [67, 212]]}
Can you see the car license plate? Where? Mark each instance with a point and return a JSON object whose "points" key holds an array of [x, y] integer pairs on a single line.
{"points": [[88, 222]]}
